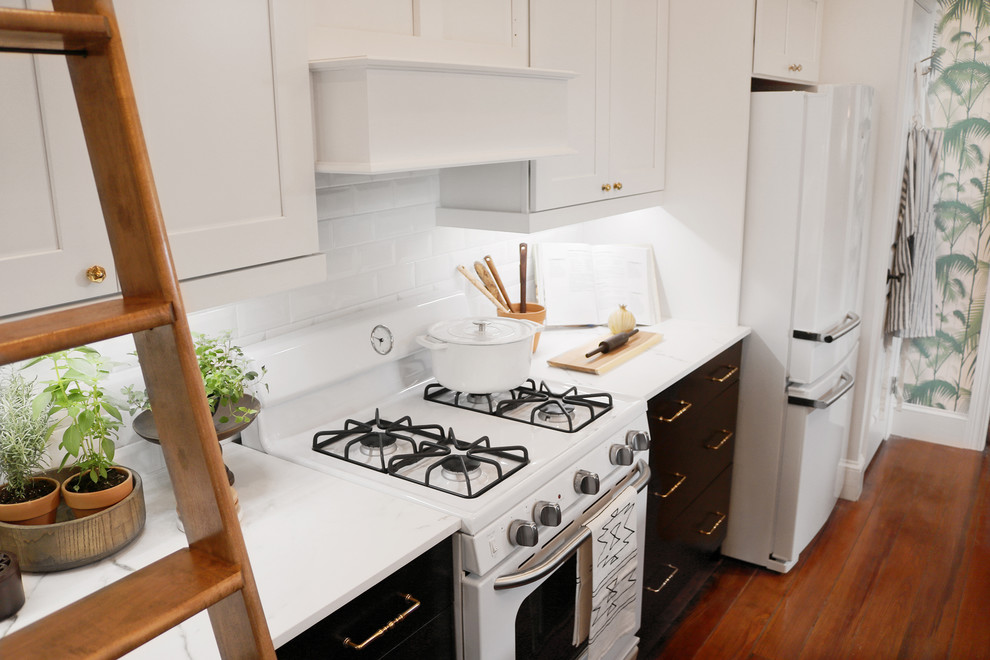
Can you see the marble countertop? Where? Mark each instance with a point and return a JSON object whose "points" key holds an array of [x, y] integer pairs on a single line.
{"points": [[685, 346], [310, 553]]}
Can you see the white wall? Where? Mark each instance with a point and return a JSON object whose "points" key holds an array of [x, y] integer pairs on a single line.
{"points": [[866, 42], [699, 248]]}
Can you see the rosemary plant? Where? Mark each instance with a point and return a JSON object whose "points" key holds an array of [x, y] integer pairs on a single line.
{"points": [[25, 428]]}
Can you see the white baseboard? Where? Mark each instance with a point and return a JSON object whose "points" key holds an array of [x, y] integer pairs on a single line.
{"points": [[852, 486]]}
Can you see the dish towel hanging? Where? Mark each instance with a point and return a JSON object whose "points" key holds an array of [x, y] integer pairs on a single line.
{"points": [[614, 586], [911, 297]]}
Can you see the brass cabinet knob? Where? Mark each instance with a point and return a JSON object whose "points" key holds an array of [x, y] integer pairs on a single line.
{"points": [[794, 67], [606, 187], [96, 274], [618, 185]]}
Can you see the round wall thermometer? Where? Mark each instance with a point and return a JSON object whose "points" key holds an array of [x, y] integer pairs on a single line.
{"points": [[381, 339]]}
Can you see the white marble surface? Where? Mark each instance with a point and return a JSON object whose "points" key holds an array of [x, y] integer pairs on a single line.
{"points": [[310, 551], [686, 345]]}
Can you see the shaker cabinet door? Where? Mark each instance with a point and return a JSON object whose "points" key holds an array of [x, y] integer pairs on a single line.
{"points": [[229, 134], [788, 40], [51, 226], [617, 103], [574, 36]]}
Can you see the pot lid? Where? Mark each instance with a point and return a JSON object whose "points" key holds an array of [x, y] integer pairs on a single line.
{"points": [[483, 331]]}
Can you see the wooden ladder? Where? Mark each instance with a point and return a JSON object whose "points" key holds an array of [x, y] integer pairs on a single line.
{"points": [[213, 572]]}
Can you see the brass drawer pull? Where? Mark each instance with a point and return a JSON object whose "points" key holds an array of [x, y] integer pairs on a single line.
{"points": [[732, 372], [721, 519], [685, 406], [675, 486], [725, 438], [388, 626], [666, 581]]}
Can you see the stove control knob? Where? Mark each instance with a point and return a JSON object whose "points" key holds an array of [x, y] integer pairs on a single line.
{"points": [[620, 455], [638, 440], [586, 482], [547, 513], [523, 532]]}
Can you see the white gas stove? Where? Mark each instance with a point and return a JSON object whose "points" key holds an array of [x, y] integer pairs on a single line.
{"points": [[521, 469]]}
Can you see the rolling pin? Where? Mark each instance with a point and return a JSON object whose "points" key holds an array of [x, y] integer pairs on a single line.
{"points": [[612, 342]]}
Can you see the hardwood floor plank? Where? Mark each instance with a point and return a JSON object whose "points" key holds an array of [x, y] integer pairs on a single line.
{"points": [[972, 631], [844, 606], [929, 629], [820, 568], [918, 551], [719, 596]]}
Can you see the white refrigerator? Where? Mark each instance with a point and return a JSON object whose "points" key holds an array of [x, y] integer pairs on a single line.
{"points": [[808, 200]]}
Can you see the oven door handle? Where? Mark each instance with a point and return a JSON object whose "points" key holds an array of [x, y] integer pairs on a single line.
{"points": [[567, 548]]}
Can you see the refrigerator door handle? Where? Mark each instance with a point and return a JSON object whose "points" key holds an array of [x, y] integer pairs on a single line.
{"points": [[846, 381], [847, 325]]}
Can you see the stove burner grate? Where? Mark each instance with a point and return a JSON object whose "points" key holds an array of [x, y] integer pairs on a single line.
{"points": [[568, 411], [373, 439], [460, 461]]}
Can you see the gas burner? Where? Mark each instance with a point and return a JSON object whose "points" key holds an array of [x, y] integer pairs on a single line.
{"points": [[568, 411], [460, 468], [559, 414], [464, 469], [368, 443]]}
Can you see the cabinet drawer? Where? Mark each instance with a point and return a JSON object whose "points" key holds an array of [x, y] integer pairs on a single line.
{"points": [[699, 387], [428, 580], [702, 525], [683, 465]]}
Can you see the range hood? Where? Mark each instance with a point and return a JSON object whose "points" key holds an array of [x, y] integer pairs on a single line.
{"points": [[375, 115]]}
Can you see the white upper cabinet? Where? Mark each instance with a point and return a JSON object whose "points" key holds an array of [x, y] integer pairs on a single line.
{"points": [[222, 90], [788, 40], [616, 123]]}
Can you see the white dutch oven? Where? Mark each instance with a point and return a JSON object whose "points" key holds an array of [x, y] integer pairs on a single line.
{"points": [[481, 355]]}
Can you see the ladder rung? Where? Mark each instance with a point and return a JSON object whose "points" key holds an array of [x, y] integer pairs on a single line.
{"points": [[56, 331], [129, 612], [29, 30]]}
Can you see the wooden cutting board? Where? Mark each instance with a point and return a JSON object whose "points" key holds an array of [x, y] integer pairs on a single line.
{"points": [[602, 362]]}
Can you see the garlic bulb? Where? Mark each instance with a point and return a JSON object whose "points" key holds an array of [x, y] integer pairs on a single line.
{"points": [[621, 320]]}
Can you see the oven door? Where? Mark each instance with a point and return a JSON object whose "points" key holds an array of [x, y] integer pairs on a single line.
{"points": [[530, 612]]}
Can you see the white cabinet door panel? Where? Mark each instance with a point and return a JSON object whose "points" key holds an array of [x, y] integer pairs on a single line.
{"points": [[638, 89], [573, 36]]}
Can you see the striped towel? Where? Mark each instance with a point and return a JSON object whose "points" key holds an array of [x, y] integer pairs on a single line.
{"points": [[911, 297]]}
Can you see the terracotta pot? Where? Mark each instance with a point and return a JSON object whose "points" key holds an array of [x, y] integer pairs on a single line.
{"points": [[39, 511], [86, 504]]}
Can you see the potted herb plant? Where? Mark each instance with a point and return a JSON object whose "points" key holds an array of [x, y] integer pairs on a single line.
{"points": [[25, 428], [76, 396], [228, 379]]}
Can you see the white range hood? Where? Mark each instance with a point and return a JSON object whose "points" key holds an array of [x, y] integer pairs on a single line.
{"points": [[374, 115]]}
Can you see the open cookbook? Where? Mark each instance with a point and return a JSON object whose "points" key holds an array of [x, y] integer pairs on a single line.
{"points": [[581, 284]]}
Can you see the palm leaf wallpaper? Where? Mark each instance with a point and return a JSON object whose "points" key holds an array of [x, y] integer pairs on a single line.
{"points": [[938, 371]]}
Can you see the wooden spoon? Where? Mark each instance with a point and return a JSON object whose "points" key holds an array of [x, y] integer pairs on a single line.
{"points": [[498, 280], [481, 287], [486, 279], [522, 277]]}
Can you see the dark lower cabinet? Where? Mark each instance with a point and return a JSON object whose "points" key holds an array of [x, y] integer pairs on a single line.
{"points": [[427, 631], [692, 424]]}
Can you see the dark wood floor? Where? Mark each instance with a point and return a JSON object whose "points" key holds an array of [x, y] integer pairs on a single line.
{"points": [[902, 573]]}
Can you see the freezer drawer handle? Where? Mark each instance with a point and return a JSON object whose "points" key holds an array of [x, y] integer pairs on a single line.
{"points": [[725, 438], [666, 581], [567, 548], [685, 406], [675, 486], [850, 323], [388, 626], [711, 530], [846, 381], [733, 370]]}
